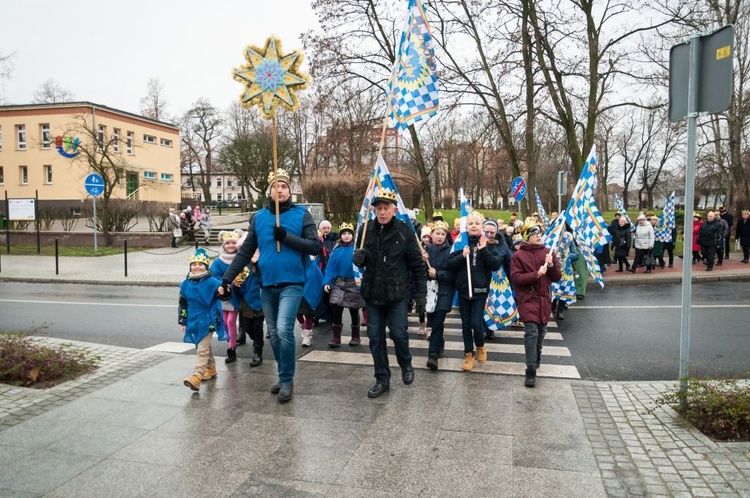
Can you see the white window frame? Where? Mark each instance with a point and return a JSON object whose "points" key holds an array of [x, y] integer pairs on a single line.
{"points": [[2, 175], [116, 140], [149, 139], [218, 197], [166, 177], [21, 137], [229, 182], [218, 181], [100, 136], [23, 175], [149, 175], [48, 174], [165, 142], [46, 135], [129, 143]]}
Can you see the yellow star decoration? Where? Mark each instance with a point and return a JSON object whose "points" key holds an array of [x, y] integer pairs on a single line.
{"points": [[271, 78]]}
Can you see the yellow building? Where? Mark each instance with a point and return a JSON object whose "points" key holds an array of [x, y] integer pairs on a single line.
{"points": [[47, 148]]}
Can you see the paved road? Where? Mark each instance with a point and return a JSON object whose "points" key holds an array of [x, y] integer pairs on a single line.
{"points": [[619, 333]]}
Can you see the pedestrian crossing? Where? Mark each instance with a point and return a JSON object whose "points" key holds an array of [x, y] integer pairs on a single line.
{"points": [[505, 354]]}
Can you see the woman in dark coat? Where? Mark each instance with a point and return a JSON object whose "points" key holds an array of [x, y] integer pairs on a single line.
{"points": [[621, 237], [743, 234], [438, 253], [710, 235]]}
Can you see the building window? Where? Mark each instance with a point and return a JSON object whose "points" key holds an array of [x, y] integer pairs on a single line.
{"points": [[116, 140], [149, 139], [48, 174], [149, 175], [218, 182], [2, 176], [21, 137], [101, 135], [129, 143], [166, 177], [44, 132], [218, 197], [23, 174], [229, 182], [165, 142]]}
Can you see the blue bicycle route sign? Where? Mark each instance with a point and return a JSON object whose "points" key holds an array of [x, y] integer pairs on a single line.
{"points": [[518, 188], [94, 184]]}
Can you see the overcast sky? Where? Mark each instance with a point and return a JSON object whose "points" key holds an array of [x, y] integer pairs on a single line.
{"points": [[105, 52]]}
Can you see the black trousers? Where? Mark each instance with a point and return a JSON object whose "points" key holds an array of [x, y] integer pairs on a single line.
{"points": [[709, 253], [253, 327]]}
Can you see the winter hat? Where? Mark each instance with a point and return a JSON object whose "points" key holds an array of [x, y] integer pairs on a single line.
{"points": [[225, 236], [426, 231], [456, 223], [492, 222], [722, 210], [517, 239], [200, 256], [641, 217]]}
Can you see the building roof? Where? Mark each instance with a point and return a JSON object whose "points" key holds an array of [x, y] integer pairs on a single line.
{"points": [[59, 105]]}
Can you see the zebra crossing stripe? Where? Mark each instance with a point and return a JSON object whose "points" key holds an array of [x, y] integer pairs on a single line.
{"points": [[447, 364], [459, 346]]}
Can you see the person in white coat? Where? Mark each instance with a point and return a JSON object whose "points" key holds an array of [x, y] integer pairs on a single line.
{"points": [[643, 241]]}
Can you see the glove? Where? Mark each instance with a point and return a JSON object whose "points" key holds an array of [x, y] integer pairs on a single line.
{"points": [[358, 258], [279, 233], [227, 286]]}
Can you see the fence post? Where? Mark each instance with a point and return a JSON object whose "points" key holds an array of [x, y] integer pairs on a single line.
{"points": [[125, 252], [57, 258]]}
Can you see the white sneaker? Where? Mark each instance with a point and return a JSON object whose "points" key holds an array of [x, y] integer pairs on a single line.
{"points": [[429, 333], [307, 338]]}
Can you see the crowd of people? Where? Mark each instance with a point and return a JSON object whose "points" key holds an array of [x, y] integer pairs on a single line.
{"points": [[264, 275], [184, 224]]}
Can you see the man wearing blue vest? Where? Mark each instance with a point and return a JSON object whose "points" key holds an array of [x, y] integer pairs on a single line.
{"points": [[390, 252], [282, 272]]}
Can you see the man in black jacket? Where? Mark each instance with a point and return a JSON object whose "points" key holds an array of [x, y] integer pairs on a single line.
{"points": [[390, 252]]}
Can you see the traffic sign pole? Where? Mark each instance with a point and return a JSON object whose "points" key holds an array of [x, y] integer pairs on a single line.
{"points": [[94, 185], [94, 224]]}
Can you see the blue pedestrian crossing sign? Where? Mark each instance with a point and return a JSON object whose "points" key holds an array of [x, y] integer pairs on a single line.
{"points": [[94, 184]]}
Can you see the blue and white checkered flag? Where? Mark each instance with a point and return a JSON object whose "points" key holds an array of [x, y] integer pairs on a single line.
{"points": [[623, 213], [663, 229], [565, 289], [554, 233], [540, 209], [412, 92], [463, 237], [582, 214], [500, 308]]}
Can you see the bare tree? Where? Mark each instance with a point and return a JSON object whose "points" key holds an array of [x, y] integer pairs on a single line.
{"points": [[154, 103], [201, 131], [358, 40], [6, 65], [51, 92], [96, 152]]}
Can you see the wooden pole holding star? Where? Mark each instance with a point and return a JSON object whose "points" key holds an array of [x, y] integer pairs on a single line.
{"points": [[271, 79]]}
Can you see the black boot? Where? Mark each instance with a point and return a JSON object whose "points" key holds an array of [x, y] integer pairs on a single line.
{"points": [[231, 356], [530, 377], [559, 310], [241, 337], [257, 355]]}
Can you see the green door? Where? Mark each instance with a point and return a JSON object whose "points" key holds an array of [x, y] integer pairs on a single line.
{"points": [[132, 180]]}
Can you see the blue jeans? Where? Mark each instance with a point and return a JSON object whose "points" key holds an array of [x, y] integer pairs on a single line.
{"points": [[280, 305], [472, 320], [533, 339], [395, 315]]}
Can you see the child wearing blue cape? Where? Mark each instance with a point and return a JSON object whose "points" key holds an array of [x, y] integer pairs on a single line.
{"points": [[199, 314]]}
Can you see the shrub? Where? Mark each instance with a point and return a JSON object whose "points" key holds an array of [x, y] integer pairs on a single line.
{"points": [[157, 214], [25, 362], [718, 408], [120, 215]]}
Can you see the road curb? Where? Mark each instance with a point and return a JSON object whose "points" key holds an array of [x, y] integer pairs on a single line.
{"points": [[134, 283]]}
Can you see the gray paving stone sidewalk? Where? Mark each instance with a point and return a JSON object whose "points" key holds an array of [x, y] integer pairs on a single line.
{"points": [[133, 429]]}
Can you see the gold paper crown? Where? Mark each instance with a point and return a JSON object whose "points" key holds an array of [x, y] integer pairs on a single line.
{"points": [[437, 214], [230, 235], [346, 226], [200, 256], [528, 224], [441, 225], [281, 175], [385, 194]]}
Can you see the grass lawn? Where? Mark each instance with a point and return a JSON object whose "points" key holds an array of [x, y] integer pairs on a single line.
{"points": [[49, 250]]}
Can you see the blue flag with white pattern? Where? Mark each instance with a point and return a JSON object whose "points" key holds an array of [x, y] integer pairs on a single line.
{"points": [[412, 91], [582, 214], [663, 229], [623, 213], [540, 210]]}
